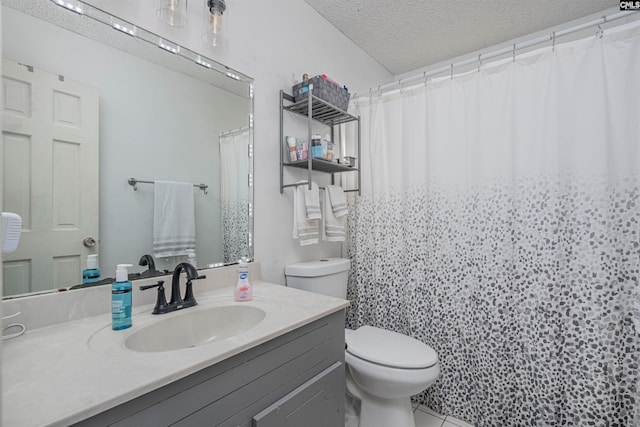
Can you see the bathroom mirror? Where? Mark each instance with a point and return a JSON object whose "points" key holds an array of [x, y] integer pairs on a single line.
{"points": [[162, 112]]}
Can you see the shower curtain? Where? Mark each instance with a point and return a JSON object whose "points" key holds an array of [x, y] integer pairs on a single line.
{"points": [[234, 191], [499, 223]]}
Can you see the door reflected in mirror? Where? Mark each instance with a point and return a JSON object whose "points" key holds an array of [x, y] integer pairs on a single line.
{"points": [[153, 116]]}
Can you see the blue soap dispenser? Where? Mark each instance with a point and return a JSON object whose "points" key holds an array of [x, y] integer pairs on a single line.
{"points": [[91, 273], [121, 291]]}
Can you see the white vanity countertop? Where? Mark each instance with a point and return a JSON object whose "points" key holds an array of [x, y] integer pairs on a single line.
{"points": [[53, 376]]}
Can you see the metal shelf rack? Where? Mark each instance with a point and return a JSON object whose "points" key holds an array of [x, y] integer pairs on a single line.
{"points": [[314, 108]]}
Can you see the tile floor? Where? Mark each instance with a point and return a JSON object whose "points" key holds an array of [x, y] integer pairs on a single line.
{"points": [[425, 417]]}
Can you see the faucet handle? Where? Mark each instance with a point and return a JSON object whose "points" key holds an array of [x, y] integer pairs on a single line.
{"points": [[189, 299], [161, 300], [157, 285], [188, 295]]}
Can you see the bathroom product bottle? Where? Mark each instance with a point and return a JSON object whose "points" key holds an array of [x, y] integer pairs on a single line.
{"points": [[331, 152], [316, 146], [327, 147], [121, 299], [305, 87], [324, 142], [91, 273], [302, 150], [243, 290], [291, 142]]}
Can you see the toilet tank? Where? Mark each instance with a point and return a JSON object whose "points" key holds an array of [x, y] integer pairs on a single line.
{"points": [[327, 276]]}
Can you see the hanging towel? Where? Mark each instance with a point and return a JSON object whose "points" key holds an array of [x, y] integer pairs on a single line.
{"points": [[312, 201], [174, 225], [304, 229], [333, 228], [338, 200]]}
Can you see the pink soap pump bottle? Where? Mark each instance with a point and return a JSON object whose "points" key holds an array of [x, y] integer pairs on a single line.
{"points": [[243, 290]]}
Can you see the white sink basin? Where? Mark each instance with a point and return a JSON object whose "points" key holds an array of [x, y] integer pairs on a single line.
{"points": [[196, 327]]}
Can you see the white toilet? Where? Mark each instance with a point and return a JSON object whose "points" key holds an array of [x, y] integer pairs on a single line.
{"points": [[384, 368]]}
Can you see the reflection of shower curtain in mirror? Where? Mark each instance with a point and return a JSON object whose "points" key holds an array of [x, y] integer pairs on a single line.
{"points": [[234, 171]]}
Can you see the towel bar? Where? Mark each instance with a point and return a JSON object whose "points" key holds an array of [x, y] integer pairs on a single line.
{"points": [[134, 182], [297, 184]]}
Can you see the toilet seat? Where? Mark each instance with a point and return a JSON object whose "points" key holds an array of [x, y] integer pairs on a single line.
{"points": [[389, 348]]}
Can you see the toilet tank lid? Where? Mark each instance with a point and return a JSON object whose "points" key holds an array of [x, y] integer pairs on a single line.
{"points": [[390, 348], [320, 267]]}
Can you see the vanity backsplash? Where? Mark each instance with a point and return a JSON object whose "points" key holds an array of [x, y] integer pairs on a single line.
{"points": [[38, 311]]}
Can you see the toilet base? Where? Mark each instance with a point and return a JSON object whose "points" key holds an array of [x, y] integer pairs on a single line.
{"points": [[378, 412]]}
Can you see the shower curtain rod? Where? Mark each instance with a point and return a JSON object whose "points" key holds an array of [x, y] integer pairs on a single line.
{"points": [[399, 84]]}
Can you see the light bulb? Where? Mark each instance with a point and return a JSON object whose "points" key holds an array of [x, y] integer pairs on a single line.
{"points": [[214, 12], [173, 12]]}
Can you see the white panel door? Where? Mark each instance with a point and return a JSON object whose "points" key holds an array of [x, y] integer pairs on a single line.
{"points": [[50, 166]]}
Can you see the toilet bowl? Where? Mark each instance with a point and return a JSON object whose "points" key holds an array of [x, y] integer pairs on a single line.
{"points": [[383, 368]]}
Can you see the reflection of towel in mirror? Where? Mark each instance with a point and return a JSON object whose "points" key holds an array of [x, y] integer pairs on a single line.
{"points": [[174, 225], [334, 214], [304, 229]]}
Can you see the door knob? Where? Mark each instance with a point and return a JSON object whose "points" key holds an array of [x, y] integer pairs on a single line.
{"points": [[89, 242]]}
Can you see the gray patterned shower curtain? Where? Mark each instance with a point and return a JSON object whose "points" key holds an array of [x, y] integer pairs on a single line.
{"points": [[499, 222]]}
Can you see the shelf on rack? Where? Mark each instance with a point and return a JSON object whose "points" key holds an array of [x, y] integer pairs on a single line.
{"points": [[321, 111], [322, 166], [314, 108]]}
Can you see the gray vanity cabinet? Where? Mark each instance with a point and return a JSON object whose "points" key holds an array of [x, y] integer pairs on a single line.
{"points": [[316, 403], [296, 379]]}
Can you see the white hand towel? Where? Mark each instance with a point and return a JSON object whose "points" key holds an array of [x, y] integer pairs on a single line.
{"points": [[174, 225], [333, 228], [306, 231], [312, 201], [338, 200]]}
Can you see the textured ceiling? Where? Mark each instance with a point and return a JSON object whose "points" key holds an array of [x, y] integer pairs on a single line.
{"points": [[404, 35]]}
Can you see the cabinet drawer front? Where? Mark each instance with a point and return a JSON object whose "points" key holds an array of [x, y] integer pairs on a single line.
{"points": [[317, 403]]}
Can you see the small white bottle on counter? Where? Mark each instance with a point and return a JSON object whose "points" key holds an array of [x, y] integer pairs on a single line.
{"points": [[243, 290]]}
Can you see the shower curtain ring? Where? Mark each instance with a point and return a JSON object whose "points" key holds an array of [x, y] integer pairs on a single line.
{"points": [[514, 53], [479, 61], [600, 31], [553, 41], [452, 71]]}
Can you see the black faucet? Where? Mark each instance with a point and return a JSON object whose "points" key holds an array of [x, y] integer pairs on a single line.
{"points": [[192, 274], [176, 302]]}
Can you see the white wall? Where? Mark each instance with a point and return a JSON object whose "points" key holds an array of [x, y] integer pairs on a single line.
{"points": [[138, 134], [270, 41]]}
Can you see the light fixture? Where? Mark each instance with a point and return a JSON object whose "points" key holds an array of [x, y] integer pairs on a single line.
{"points": [[169, 47], [122, 27], [214, 12], [173, 12], [202, 62], [72, 5]]}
